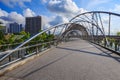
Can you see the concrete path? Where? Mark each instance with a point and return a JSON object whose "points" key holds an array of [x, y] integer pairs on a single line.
{"points": [[75, 60]]}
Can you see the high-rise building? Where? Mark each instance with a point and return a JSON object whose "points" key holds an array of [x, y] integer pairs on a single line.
{"points": [[33, 25], [15, 28]]}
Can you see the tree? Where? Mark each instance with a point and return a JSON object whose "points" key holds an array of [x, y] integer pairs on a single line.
{"points": [[118, 33], [1, 32], [9, 38], [1, 35], [26, 35]]}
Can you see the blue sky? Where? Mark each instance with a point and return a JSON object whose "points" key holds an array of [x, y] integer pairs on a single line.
{"points": [[52, 11], [39, 7]]}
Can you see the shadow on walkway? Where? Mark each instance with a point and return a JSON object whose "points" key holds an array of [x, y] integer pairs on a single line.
{"points": [[104, 53]]}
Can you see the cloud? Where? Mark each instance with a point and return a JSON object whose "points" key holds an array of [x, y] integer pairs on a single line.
{"points": [[115, 19], [93, 3], [44, 1], [4, 22], [28, 13], [16, 17], [13, 3], [64, 10], [3, 13], [58, 19], [53, 20], [62, 7], [13, 17], [116, 8], [6, 17], [45, 22]]}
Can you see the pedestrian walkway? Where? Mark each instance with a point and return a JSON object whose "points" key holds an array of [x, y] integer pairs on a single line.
{"points": [[74, 60]]}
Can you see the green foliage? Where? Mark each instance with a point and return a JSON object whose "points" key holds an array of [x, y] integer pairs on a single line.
{"points": [[50, 37], [13, 39], [113, 41], [44, 37], [1, 42], [118, 33], [16, 39], [1, 35], [26, 35]]}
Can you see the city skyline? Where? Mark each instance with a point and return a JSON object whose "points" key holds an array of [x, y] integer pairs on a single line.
{"points": [[14, 28], [52, 11]]}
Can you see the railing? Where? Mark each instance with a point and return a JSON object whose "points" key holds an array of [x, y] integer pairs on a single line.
{"points": [[112, 44], [25, 52], [27, 48], [101, 26], [90, 23], [8, 47]]}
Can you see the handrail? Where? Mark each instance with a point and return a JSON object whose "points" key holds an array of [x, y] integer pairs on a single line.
{"points": [[25, 52], [25, 47], [32, 39], [95, 13], [70, 22], [93, 23]]}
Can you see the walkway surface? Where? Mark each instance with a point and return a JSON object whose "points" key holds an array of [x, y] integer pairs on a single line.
{"points": [[75, 60]]}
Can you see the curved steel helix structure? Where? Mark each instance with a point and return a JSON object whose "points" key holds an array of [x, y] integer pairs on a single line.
{"points": [[102, 27], [95, 26]]}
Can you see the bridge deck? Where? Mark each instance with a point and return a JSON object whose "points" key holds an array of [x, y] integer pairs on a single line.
{"points": [[75, 60]]}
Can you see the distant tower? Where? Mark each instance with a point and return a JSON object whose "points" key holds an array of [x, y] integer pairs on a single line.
{"points": [[33, 25], [15, 28]]}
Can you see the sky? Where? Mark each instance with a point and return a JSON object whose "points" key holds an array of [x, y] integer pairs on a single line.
{"points": [[52, 11]]}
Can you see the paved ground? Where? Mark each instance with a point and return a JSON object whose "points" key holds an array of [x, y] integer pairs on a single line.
{"points": [[75, 60]]}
